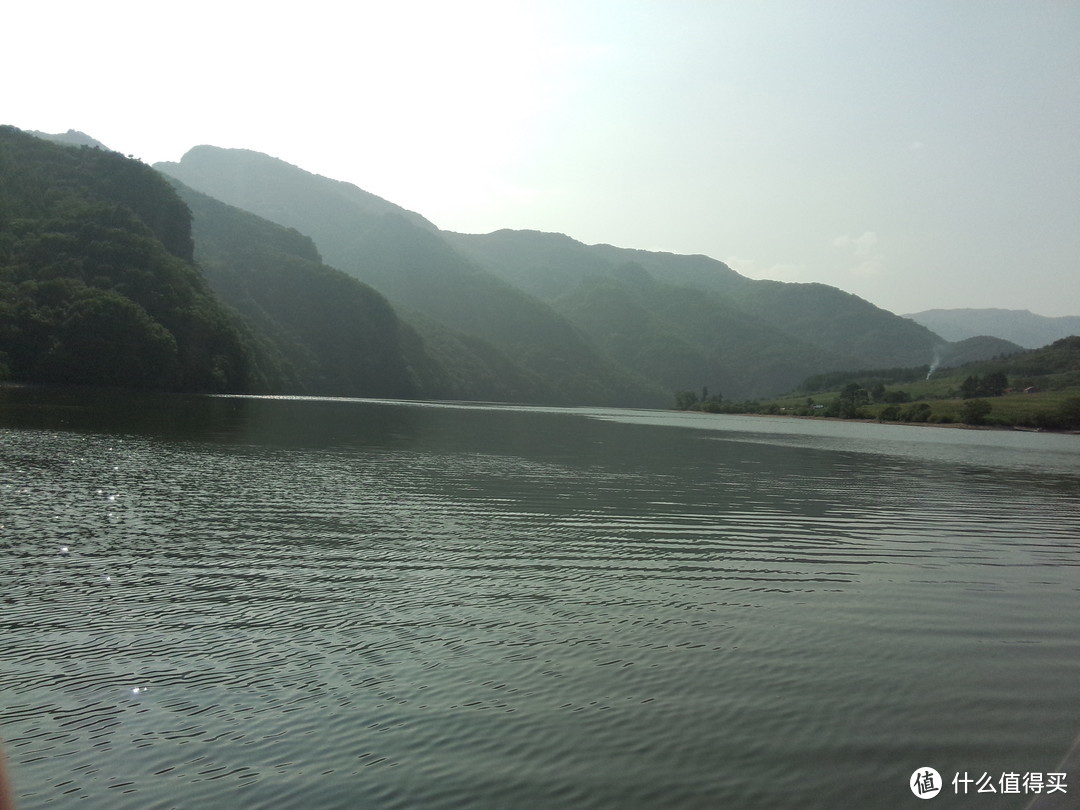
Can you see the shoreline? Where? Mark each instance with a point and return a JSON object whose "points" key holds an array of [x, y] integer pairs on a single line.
{"points": [[11, 385], [953, 425]]}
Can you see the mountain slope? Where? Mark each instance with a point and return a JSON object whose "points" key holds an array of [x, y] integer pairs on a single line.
{"points": [[333, 213], [479, 326], [71, 138], [838, 321], [744, 337], [330, 334], [96, 280], [1016, 325], [977, 349], [554, 320]]}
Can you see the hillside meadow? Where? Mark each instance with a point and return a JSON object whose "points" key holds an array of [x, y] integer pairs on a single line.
{"points": [[1038, 389]]}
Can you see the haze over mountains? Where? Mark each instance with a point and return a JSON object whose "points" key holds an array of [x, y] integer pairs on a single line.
{"points": [[1017, 325], [337, 291], [670, 321]]}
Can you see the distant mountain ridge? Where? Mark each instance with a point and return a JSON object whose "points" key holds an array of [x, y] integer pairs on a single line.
{"points": [[70, 138], [273, 189], [1016, 325], [685, 318]]}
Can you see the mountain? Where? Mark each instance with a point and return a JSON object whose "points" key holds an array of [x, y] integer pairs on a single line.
{"points": [[536, 317], [976, 349], [579, 324], [335, 214], [110, 274], [327, 333], [692, 320], [243, 272], [1016, 325], [97, 283], [494, 340], [70, 138]]}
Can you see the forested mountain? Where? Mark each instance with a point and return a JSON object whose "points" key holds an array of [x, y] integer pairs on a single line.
{"points": [[687, 319], [570, 318], [495, 341], [97, 283], [325, 332], [335, 214], [975, 350], [1061, 358], [1016, 325], [111, 274]]}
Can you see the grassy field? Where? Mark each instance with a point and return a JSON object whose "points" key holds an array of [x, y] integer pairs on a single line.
{"points": [[942, 397], [995, 393]]}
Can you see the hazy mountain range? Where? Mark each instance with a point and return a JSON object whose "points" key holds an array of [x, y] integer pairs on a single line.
{"points": [[333, 290], [72, 138], [548, 302], [1016, 325]]}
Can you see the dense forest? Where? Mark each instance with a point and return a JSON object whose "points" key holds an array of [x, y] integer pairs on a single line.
{"points": [[97, 284], [696, 321]]}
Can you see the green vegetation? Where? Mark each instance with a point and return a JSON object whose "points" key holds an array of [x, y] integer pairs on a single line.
{"points": [[867, 379], [992, 385], [112, 275], [492, 340], [528, 316], [324, 332], [1038, 389], [685, 320], [96, 281], [98, 286]]}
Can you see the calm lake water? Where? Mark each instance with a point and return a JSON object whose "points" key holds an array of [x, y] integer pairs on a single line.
{"points": [[246, 603]]}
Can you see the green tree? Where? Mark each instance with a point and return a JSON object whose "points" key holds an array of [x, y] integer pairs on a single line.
{"points": [[890, 413], [916, 412], [969, 388], [975, 411], [992, 385], [848, 405], [96, 279], [685, 400], [995, 384]]}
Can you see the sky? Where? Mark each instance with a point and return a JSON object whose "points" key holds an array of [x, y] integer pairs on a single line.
{"points": [[918, 153]]}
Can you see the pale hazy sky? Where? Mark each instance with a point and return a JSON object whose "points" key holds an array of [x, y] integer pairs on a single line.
{"points": [[918, 153]]}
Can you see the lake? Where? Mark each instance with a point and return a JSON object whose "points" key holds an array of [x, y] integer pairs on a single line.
{"points": [[219, 602]]}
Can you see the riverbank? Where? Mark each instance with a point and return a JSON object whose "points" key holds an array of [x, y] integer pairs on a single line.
{"points": [[952, 425]]}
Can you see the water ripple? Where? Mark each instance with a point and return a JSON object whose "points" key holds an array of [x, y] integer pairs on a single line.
{"points": [[389, 625]]}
